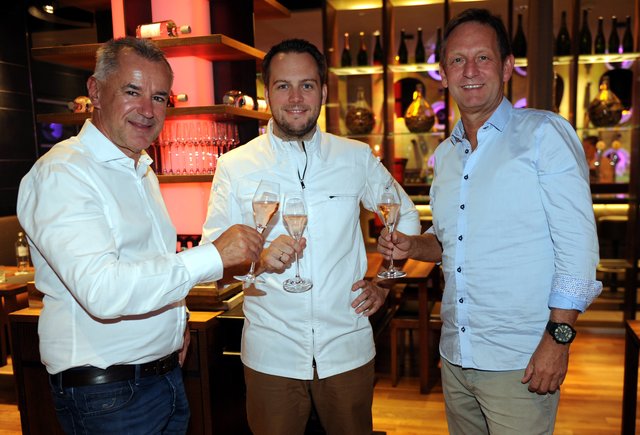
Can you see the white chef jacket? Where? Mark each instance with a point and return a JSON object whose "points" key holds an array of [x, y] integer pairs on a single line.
{"points": [[103, 247], [285, 332]]}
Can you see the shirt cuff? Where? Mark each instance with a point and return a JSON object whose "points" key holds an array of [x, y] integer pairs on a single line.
{"points": [[203, 263]]}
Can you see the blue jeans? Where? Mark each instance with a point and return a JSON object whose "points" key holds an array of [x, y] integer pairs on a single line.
{"points": [[149, 405]]}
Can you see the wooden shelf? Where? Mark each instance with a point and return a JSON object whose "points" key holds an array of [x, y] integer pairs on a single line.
{"points": [[211, 47], [219, 112], [200, 178], [269, 9]]}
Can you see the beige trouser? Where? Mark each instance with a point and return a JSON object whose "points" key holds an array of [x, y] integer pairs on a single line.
{"points": [[281, 406], [497, 403]]}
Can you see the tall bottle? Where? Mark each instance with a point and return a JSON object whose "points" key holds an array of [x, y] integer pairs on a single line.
{"points": [[378, 54], [403, 53], [599, 43], [519, 41], [420, 55], [585, 34], [22, 253], [161, 29], [614, 39], [563, 40], [438, 47], [627, 38], [362, 59], [345, 59]]}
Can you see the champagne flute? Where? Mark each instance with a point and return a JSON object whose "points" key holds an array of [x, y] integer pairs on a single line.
{"points": [[265, 204], [388, 208], [295, 220]]}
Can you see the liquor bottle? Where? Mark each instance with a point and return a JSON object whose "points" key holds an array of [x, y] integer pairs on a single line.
{"points": [[420, 56], [585, 34], [614, 39], [363, 58], [378, 55], [177, 98], [627, 38], [345, 59], [563, 40], [438, 47], [403, 54], [161, 29], [22, 253], [519, 40], [600, 44]]}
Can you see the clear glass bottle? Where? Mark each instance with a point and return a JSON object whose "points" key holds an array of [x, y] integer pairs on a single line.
{"points": [[585, 34], [600, 44], [420, 55], [403, 53], [359, 118], [519, 40], [363, 57], [161, 29], [419, 117], [563, 40], [345, 59], [606, 109], [22, 253]]}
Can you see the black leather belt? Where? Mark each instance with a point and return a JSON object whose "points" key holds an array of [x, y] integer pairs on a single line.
{"points": [[82, 376]]}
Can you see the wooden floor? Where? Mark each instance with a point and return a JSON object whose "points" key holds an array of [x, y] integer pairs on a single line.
{"points": [[590, 403]]}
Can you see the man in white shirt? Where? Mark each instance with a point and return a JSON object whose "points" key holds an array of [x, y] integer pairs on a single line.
{"points": [[113, 329], [316, 346]]}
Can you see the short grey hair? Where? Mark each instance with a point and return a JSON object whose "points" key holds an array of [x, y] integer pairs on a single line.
{"points": [[107, 55]]}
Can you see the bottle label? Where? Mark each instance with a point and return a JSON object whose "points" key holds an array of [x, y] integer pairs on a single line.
{"points": [[22, 251], [151, 30]]}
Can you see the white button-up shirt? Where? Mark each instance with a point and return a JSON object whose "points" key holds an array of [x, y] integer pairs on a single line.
{"points": [[103, 247], [285, 332]]}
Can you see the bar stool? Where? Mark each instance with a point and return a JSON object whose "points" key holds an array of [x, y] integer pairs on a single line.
{"points": [[406, 320]]}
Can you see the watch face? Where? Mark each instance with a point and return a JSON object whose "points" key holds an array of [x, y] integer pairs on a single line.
{"points": [[563, 333]]}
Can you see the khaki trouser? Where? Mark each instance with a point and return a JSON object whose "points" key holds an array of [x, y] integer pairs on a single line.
{"points": [[281, 406], [497, 403]]}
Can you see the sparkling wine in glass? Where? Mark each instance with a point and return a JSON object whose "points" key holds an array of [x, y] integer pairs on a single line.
{"points": [[295, 220], [265, 204], [388, 207]]}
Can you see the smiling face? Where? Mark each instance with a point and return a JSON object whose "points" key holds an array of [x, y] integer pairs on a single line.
{"points": [[131, 105], [473, 70], [295, 95]]}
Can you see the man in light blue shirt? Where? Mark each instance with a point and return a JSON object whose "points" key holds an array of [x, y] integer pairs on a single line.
{"points": [[514, 228]]}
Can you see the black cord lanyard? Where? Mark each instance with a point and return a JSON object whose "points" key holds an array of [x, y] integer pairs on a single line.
{"points": [[304, 171]]}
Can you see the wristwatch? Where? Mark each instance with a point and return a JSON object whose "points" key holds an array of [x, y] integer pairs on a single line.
{"points": [[562, 333]]}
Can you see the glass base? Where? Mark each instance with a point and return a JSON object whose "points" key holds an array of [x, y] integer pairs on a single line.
{"points": [[297, 285], [392, 274]]}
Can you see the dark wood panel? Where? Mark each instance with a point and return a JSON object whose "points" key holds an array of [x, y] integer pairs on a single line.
{"points": [[13, 44], [17, 141], [14, 77]]}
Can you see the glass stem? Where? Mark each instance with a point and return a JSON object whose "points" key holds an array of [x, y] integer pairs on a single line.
{"points": [[390, 228], [252, 269], [297, 267]]}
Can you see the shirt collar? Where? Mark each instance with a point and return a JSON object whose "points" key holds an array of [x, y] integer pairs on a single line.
{"points": [[312, 146], [498, 120], [105, 151]]}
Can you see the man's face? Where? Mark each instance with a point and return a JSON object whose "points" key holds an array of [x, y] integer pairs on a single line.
{"points": [[131, 105], [295, 95], [473, 70]]}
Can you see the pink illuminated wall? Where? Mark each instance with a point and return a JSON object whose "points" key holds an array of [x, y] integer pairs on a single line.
{"points": [[187, 205]]}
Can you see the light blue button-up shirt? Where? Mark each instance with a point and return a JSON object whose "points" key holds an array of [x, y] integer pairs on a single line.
{"points": [[517, 228]]}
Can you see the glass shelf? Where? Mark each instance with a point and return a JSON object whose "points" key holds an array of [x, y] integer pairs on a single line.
{"points": [[414, 67], [356, 70]]}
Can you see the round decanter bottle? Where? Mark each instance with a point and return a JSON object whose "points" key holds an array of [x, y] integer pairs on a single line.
{"points": [[606, 109], [419, 117], [359, 118]]}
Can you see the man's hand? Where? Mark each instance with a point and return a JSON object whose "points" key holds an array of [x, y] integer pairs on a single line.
{"points": [[185, 345], [239, 244], [547, 367], [399, 246], [371, 298], [280, 254]]}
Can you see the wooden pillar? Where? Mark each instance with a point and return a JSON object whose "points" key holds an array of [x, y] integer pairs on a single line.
{"points": [[540, 55]]}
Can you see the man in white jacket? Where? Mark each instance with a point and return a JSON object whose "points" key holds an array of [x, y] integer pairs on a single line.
{"points": [[317, 346]]}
